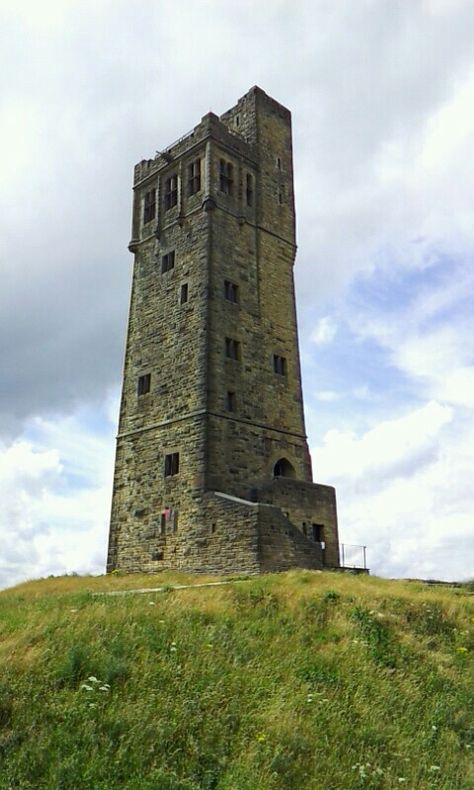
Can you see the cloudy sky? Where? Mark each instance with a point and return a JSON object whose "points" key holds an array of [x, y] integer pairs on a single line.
{"points": [[382, 96]]}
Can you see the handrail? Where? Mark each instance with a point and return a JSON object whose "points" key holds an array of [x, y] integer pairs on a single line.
{"points": [[345, 546], [176, 142]]}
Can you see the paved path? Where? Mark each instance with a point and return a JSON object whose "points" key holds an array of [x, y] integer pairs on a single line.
{"points": [[168, 587]]}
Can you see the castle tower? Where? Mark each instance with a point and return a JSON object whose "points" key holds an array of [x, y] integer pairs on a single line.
{"points": [[213, 472]]}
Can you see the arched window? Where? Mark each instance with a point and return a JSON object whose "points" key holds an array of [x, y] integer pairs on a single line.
{"points": [[283, 468]]}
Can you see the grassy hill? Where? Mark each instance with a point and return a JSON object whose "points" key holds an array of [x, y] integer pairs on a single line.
{"points": [[298, 680]]}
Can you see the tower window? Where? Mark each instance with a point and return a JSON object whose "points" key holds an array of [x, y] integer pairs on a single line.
{"points": [[280, 198], [225, 177], [171, 464], [171, 192], [231, 291], [249, 190], [163, 523], [144, 383], [317, 532], [167, 262], [278, 163], [232, 348], [194, 177], [149, 206], [184, 294], [279, 365], [230, 402], [283, 468]]}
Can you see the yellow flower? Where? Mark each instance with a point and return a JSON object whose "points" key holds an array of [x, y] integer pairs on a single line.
{"points": [[462, 650]]}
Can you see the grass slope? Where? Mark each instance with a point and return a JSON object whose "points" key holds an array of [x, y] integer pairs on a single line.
{"points": [[297, 680]]}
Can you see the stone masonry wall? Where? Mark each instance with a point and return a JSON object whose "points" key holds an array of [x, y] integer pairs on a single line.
{"points": [[282, 546], [306, 504], [178, 521]]}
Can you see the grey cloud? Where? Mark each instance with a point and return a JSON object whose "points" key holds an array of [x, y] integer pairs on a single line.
{"points": [[112, 88]]}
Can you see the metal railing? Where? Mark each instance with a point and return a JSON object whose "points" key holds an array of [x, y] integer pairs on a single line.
{"points": [[166, 152], [353, 556]]}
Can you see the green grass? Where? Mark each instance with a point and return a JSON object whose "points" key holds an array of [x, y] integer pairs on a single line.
{"points": [[297, 680]]}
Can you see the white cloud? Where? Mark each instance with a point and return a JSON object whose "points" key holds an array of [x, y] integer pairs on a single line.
{"points": [[403, 490], [324, 331], [385, 449], [425, 334], [458, 386], [55, 502], [327, 395], [362, 393]]}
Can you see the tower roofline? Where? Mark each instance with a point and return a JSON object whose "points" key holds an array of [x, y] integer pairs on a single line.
{"points": [[259, 93]]}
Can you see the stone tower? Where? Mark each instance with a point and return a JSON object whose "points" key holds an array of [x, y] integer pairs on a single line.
{"points": [[213, 472]]}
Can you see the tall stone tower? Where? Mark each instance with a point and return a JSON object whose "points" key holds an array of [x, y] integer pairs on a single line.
{"points": [[213, 472]]}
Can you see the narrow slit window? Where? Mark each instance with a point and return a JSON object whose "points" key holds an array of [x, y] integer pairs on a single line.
{"points": [[230, 402], [231, 291], [171, 464], [144, 383], [167, 262], [279, 365], [171, 192], [183, 298], [194, 177], [232, 348], [149, 206], [163, 523], [249, 190], [225, 177]]}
